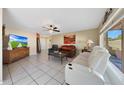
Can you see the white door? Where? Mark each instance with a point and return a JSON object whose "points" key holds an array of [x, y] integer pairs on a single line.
{"points": [[43, 43]]}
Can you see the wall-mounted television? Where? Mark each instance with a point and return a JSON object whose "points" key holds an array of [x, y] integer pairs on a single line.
{"points": [[18, 41]]}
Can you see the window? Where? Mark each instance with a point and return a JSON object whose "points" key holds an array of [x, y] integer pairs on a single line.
{"points": [[114, 45]]}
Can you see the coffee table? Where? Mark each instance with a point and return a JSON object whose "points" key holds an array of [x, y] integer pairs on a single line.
{"points": [[59, 55]]}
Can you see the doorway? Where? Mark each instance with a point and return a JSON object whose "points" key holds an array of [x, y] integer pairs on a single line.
{"points": [[43, 43]]}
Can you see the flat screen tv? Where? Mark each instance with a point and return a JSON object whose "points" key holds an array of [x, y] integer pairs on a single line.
{"points": [[17, 41]]}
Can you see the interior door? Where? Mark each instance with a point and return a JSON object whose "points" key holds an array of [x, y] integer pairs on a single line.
{"points": [[43, 44]]}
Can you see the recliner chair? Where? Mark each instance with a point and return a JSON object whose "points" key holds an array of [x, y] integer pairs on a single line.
{"points": [[84, 71], [54, 48]]}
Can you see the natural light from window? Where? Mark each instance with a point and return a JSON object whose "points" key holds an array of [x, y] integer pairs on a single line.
{"points": [[114, 44]]}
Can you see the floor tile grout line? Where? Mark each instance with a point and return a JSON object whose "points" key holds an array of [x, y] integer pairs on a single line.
{"points": [[52, 77], [39, 70], [57, 80], [18, 74], [43, 74], [48, 81], [20, 79], [40, 76], [30, 75], [10, 75]]}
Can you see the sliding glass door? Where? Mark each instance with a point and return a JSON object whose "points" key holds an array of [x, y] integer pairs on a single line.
{"points": [[114, 45]]}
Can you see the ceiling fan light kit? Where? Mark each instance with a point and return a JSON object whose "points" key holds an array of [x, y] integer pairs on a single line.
{"points": [[50, 31]]}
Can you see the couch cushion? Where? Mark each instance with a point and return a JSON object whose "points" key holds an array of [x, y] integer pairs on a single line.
{"points": [[99, 61], [95, 53], [68, 47], [94, 59], [116, 77], [102, 65], [95, 49]]}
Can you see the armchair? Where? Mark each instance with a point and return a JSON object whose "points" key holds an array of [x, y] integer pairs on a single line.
{"points": [[54, 48]]}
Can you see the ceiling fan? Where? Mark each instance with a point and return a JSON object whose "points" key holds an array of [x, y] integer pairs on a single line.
{"points": [[51, 28]]}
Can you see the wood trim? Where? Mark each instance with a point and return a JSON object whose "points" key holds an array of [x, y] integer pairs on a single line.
{"points": [[118, 25], [106, 42], [38, 43]]}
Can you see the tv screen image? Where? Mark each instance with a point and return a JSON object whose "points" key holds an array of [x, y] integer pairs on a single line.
{"points": [[18, 41]]}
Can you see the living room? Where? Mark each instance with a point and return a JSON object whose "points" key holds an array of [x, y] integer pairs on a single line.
{"points": [[71, 36]]}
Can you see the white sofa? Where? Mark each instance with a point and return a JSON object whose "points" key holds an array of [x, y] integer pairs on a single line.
{"points": [[113, 76], [88, 68]]}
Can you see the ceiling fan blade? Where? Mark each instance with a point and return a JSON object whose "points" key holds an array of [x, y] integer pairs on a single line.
{"points": [[45, 27], [48, 28], [56, 30]]}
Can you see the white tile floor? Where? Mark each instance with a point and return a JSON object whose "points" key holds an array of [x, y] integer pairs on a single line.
{"points": [[35, 70]]}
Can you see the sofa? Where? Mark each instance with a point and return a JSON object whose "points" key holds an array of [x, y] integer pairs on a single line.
{"points": [[68, 49], [88, 68]]}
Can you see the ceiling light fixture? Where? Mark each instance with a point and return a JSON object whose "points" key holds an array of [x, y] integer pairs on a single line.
{"points": [[51, 31]]}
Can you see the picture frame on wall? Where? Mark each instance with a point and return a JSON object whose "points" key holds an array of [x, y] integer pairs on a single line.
{"points": [[70, 39]]}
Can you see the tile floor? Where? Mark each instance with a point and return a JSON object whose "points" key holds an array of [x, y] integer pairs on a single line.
{"points": [[35, 70]]}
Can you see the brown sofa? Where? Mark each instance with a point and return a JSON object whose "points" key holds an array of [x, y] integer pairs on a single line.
{"points": [[70, 50]]}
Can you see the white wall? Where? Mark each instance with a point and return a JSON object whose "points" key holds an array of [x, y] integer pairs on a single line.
{"points": [[31, 38], [0, 45]]}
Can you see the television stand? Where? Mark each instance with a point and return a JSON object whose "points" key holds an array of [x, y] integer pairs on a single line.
{"points": [[10, 56]]}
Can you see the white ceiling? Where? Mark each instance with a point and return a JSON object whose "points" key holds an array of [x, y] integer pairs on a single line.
{"points": [[67, 19]]}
